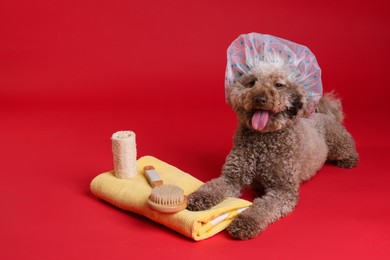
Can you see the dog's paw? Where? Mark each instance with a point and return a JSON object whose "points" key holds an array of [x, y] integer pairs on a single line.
{"points": [[348, 162], [244, 227], [200, 200]]}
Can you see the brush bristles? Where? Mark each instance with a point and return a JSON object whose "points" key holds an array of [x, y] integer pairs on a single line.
{"points": [[167, 195], [167, 198]]}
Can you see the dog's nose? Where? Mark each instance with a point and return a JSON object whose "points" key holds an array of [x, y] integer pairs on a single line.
{"points": [[260, 100]]}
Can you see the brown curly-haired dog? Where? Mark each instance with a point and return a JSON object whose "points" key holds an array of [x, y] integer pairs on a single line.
{"points": [[276, 147]]}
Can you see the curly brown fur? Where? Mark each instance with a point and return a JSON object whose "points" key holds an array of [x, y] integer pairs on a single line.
{"points": [[331, 105], [275, 158]]}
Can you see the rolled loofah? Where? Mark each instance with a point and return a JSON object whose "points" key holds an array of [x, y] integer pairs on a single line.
{"points": [[125, 154]]}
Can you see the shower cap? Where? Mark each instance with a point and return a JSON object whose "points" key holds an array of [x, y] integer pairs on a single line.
{"points": [[255, 51]]}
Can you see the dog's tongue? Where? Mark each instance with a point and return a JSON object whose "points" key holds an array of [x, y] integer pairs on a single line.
{"points": [[259, 120]]}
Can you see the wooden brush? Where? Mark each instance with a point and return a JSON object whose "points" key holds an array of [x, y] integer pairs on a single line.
{"points": [[165, 198]]}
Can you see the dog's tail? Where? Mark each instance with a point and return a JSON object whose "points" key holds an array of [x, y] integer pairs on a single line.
{"points": [[330, 104]]}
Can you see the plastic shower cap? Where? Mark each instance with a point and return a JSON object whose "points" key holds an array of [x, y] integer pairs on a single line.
{"points": [[254, 51]]}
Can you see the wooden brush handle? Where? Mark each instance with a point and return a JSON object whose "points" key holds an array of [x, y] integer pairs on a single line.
{"points": [[152, 176]]}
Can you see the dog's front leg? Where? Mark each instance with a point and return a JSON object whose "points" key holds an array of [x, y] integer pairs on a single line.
{"points": [[216, 190], [275, 204], [212, 193]]}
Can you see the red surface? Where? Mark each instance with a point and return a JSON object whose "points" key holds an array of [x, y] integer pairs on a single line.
{"points": [[74, 72]]}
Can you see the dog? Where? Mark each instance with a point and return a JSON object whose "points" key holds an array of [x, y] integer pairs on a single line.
{"points": [[276, 147]]}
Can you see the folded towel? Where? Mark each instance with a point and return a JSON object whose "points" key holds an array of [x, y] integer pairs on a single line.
{"points": [[132, 195]]}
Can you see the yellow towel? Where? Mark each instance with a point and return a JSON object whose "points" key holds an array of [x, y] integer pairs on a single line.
{"points": [[132, 195]]}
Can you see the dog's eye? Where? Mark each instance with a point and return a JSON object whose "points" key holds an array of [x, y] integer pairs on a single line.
{"points": [[279, 85], [250, 83]]}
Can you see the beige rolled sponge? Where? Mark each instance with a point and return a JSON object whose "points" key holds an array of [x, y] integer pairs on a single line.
{"points": [[124, 154]]}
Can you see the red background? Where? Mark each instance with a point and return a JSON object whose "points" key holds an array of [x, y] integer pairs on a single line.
{"points": [[74, 72]]}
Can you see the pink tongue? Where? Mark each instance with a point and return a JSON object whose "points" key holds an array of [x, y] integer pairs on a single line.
{"points": [[259, 119]]}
